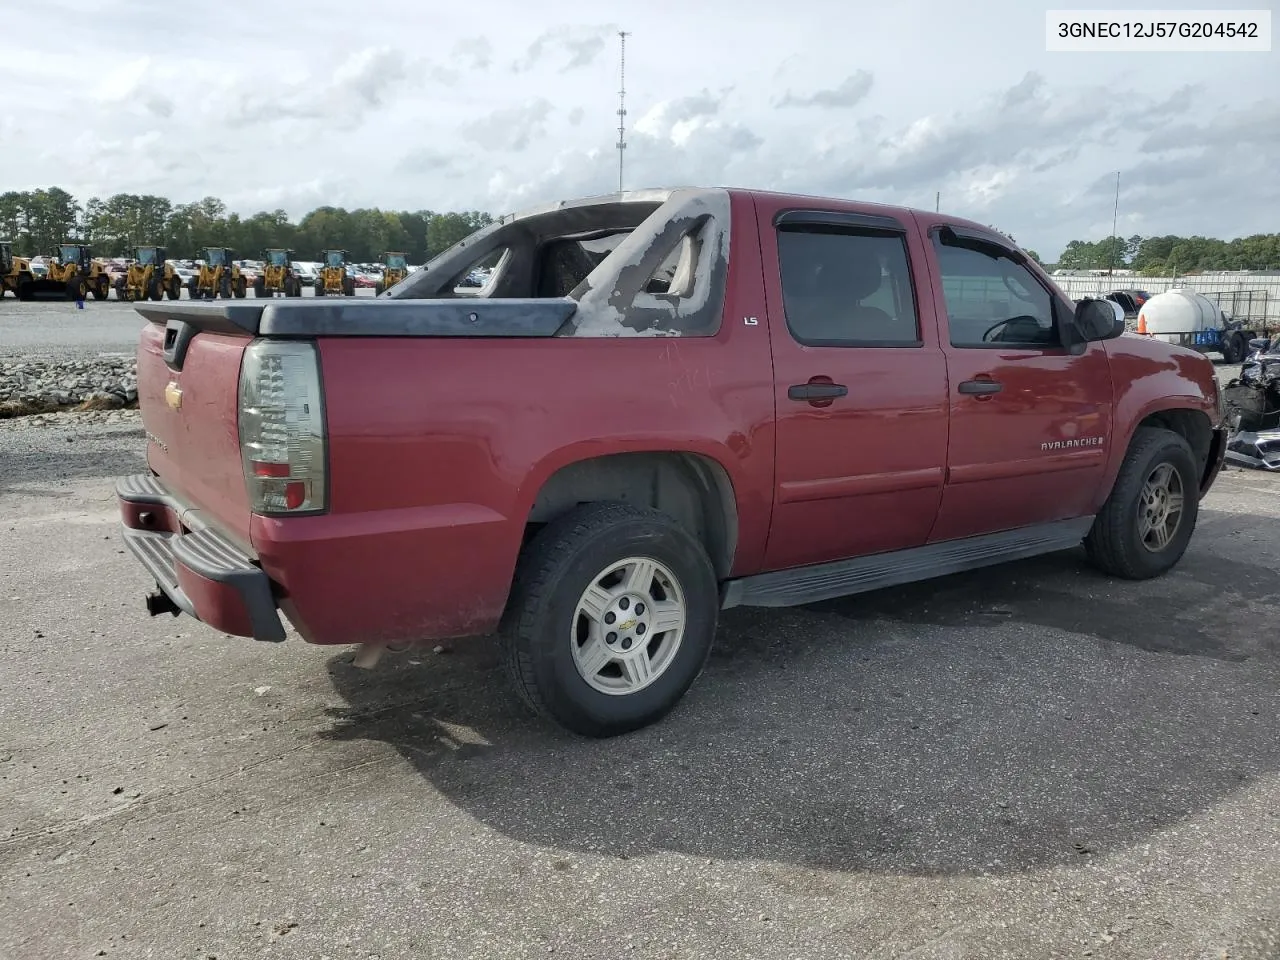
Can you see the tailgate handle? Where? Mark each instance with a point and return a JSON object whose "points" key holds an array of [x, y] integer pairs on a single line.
{"points": [[178, 335]]}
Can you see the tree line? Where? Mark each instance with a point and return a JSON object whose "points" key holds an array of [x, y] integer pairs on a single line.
{"points": [[38, 221], [1164, 256]]}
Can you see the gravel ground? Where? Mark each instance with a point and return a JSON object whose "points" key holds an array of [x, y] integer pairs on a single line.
{"points": [[1026, 762]]}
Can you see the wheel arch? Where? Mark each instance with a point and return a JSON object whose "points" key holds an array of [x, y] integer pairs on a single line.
{"points": [[1186, 418], [693, 488]]}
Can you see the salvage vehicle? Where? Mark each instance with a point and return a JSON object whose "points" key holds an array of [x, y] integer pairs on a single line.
{"points": [[1253, 408], [149, 277], [395, 268], [74, 274], [333, 279], [218, 276], [657, 406], [278, 276]]}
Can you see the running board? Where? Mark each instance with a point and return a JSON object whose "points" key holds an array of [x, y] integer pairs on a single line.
{"points": [[841, 578]]}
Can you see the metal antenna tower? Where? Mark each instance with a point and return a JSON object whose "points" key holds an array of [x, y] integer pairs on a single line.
{"points": [[622, 103]]}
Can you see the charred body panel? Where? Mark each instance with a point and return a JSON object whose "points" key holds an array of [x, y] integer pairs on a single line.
{"points": [[622, 294], [665, 276]]}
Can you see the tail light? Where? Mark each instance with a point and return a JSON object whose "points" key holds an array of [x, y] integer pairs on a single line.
{"points": [[282, 427]]}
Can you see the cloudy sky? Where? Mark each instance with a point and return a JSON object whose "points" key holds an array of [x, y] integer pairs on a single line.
{"points": [[500, 105]]}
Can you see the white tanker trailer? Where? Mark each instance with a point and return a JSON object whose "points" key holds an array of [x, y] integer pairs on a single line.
{"points": [[1192, 320]]}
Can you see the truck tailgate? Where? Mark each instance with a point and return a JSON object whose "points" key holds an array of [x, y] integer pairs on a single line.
{"points": [[189, 412]]}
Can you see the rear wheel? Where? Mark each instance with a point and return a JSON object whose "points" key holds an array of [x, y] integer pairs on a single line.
{"points": [[155, 291], [77, 289], [174, 290], [260, 287], [1144, 527], [378, 288], [611, 618], [242, 288], [101, 287], [349, 287]]}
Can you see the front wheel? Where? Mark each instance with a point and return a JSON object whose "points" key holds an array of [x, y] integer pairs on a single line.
{"points": [[611, 618], [1144, 527]]}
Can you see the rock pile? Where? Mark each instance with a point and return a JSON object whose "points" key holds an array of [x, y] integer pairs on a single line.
{"points": [[34, 384]]}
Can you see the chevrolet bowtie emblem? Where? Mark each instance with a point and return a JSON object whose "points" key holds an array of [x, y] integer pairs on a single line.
{"points": [[628, 625], [173, 395]]}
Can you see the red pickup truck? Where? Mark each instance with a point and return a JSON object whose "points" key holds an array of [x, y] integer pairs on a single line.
{"points": [[659, 405]]}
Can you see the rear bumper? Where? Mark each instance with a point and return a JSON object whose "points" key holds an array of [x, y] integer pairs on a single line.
{"points": [[199, 570]]}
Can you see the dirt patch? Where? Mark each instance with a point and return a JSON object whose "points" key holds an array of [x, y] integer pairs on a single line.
{"points": [[27, 408]]}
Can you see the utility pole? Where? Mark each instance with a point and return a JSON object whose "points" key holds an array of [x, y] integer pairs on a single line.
{"points": [[1115, 216], [622, 103]]}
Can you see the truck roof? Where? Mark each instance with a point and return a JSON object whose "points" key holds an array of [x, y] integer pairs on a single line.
{"points": [[659, 195]]}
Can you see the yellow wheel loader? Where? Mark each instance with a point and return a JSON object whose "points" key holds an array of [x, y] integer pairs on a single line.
{"points": [[73, 275], [395, 268], [219, 276], [333, 280], [277, 276], [149, 277], [13, 270]]}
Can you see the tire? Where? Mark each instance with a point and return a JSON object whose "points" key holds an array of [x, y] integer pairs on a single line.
{"points": [[260, 287], [242, 288], [1115, 544], [155, 292], [318, 286], [537, 633], [174, 290], [378, 288], [101, 287], [1233, 348]]}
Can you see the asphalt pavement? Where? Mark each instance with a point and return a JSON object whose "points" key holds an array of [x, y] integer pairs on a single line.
{"points": [[1030, 761], [59, 327]]}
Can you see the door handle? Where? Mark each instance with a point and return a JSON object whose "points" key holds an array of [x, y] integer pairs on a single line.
{"points": [[816, 391], [980, 388]]}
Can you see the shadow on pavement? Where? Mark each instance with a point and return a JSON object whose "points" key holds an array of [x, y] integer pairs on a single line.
{"points": [[1014, 718]]}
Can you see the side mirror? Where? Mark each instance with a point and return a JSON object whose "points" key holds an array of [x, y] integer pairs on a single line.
{"points": [[1099, 319]]}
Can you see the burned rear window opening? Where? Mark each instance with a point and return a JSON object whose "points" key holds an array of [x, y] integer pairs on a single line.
{"points": [[650, 263]]}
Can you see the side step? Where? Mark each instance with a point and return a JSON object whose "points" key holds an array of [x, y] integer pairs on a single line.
{"points": [[842, 578]]}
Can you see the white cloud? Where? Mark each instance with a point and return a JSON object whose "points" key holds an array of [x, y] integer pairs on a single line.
{"points": [[441, 112]]}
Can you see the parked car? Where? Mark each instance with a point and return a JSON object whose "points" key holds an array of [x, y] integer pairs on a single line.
{"points": [[663, 404]]}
